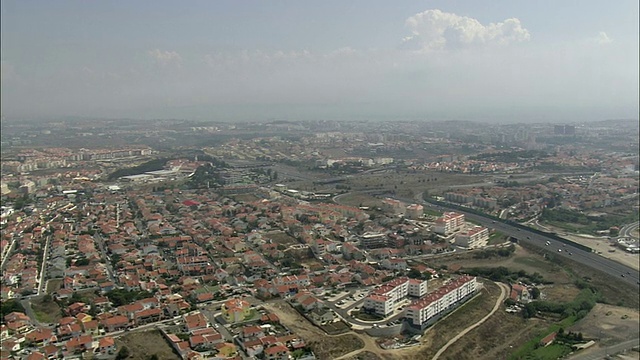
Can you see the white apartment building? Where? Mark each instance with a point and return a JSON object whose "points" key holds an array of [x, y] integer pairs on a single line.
{"points": [[422, 311], [448, 223], [476, 237], [383, 299]]}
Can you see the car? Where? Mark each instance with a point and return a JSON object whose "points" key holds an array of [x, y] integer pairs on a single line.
{"points": [[559, 250], [622, 275], [570, 253]]}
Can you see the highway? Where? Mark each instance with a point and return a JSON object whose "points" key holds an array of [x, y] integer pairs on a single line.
{"points": [[593, 260]]}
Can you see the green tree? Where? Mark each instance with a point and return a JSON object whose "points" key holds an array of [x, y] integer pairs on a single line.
{"points": [[123, 353], [535, 293]]}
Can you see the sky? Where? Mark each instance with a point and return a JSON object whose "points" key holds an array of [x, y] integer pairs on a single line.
{"points": [[479, 60]]}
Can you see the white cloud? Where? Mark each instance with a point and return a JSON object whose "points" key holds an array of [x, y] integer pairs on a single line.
{"points": [[602, 38], [434, 29], [165, 58]]}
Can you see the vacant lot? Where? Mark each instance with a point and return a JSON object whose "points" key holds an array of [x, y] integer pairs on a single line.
{"points": [[144, 344], [281, 238], [496, 338], [46, 310], [324, 346], [522, 259], [610, 324], [358, 199]]}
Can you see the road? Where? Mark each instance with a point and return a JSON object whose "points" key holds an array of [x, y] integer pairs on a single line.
{"points": [[606, 352], [593, 260], [43, 267], [503, 293], [97, 238], [629, 230]]}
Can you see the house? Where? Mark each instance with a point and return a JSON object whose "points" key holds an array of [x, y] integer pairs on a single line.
{"points": [[226, 350], [205, 341], [277, 352], [106, 345], [51, 351], [519, 293], [320, 315], [115, 323], [68, 331], [148, 316], [236, 310], [36, 355], [547, 340], [91, 327], [82, 342], [195, 321], [250, 332], [41, 337]]}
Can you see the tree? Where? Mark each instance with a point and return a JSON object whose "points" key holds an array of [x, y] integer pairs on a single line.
{"points": [[535, 293], [123, 353]]}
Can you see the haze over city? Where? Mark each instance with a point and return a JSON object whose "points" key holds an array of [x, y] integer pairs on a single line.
{"points": [[501, 61]]}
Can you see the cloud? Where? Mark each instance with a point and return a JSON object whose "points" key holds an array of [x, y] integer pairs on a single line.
{"points": [[434, 30], [166, 58], [602, 38]]}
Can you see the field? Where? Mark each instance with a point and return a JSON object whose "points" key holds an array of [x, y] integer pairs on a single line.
{"points": [[281, 238], [144, 344], [496, 338], [46, 310], [358, 199], [609, 323]]}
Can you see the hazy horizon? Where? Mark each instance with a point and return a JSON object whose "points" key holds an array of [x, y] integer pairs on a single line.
{"points": [[495, 61]]}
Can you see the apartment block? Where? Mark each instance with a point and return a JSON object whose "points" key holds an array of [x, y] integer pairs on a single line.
{"points": [[448, 223], [427, 309], [476, 237]]}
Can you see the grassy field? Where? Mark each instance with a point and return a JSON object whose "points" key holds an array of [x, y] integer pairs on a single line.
{"points": [[46, 311], [530, 348], [497, 238], [144, 344]]}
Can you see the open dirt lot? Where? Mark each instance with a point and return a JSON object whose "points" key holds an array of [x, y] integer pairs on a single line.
{"points": [[324, 346], [143, 344], [609, 323]]}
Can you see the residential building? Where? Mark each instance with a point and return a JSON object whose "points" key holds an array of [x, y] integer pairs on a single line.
{"points": [[236, 310], [448, 223], [475, 237], [427, 309]]}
